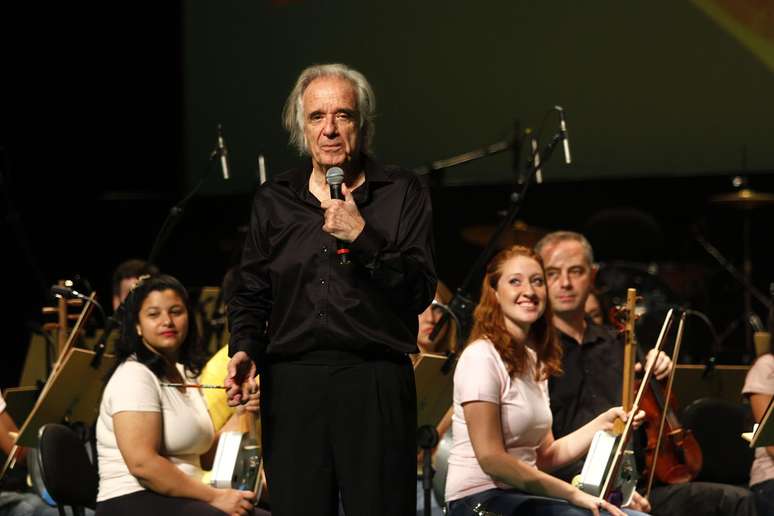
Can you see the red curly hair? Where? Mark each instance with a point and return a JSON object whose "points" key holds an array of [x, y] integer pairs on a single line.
{"points": [[489, 323]]}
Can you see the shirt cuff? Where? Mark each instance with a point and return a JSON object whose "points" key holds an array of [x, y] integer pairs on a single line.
{"points": [[254, 347]]}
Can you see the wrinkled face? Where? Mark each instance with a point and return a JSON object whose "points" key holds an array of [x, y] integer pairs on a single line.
{"points": [[331, 127], [427, 321], [163, 322], [521, 292], [570, 276], [594, 310]]}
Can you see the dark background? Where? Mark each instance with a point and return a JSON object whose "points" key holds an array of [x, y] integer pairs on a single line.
{"points": [[107, 116]]}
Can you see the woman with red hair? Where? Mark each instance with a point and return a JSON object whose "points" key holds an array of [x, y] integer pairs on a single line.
{"points": [[502, 420]]}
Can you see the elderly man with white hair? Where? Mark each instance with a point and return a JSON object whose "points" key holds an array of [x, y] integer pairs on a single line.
{"points": [[332, 339]]}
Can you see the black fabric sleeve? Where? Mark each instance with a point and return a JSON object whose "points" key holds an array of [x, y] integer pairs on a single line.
{"points": [[405, 269], [250, 306]]}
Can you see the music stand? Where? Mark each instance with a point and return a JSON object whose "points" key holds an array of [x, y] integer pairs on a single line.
{"points": [[72, 393], [435, 386], [19, 401], [764, 432]]}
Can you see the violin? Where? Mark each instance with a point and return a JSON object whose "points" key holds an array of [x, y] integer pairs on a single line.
{"points": [[679, 458], [672, 448]]}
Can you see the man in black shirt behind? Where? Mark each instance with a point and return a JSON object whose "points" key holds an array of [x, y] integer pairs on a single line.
{"points": [[331, 340], [592, 378]]}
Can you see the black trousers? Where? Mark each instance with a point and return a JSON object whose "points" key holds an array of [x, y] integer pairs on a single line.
{"points": [[347, 430], [764, 497], [702, 499], [149, 503]]}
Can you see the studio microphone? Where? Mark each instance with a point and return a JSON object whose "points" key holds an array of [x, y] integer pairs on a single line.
{"points": [[565, 135], [71, 293], [223, 153], [334, 177], [67, 293]]}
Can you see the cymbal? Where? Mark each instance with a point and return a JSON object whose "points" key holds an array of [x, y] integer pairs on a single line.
{"points": [[744, 198], [520, 233]]}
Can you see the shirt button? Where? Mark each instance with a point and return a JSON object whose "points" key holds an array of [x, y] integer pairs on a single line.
{"points": [[325, 250], [322, 282], [321, 315]]}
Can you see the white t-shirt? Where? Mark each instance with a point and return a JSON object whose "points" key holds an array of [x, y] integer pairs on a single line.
{"points": [[760, 380], [525, 414], [187, 430], [2, 404]]}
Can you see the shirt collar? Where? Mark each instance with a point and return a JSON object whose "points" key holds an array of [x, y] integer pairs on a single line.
{"points": [[375, 173], [594, 333]]}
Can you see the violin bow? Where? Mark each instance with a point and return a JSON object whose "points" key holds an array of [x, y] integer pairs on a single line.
{"points": [[670, 381], [613, 471]]}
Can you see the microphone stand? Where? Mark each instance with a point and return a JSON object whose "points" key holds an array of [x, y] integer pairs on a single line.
{"points": [[749, 289], [461, 303], [173, 217], [111, 323], [733, 271], [465, 157], [427, 438]]}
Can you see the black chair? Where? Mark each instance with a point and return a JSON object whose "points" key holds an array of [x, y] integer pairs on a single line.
{"points": [[717, 425], [68, 474]]}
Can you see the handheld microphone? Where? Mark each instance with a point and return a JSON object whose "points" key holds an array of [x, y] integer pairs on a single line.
{"points": [[334, 177], [223, 153], [565, 135]]}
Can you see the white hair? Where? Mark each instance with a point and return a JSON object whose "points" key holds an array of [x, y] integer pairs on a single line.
{"points": [[293, 112]]}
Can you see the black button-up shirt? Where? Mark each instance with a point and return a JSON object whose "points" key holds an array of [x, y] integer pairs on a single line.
{"points": [[589, 385], [294, 297]]}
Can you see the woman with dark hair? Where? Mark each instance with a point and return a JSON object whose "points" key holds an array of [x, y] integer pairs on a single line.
{"points": [[502, 420], [150, 435]]}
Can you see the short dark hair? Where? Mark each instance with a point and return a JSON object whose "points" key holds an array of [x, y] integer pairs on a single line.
{"points": [[192, 354], [133, 268]]}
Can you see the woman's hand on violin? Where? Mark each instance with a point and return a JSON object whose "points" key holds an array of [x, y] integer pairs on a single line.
{"points": [[594, 504], [609, 417], [233, 502], [661, 368]]}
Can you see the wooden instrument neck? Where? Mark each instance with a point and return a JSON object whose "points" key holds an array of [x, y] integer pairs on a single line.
{"points": [[247, 423], [630, 357]]}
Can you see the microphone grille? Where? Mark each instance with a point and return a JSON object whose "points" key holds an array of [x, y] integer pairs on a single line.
{"points": [[65, 292], [334, 176]]}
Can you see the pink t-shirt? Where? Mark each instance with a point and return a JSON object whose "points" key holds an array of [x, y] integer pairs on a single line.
{"points": [[760, 380], [526, 418]]}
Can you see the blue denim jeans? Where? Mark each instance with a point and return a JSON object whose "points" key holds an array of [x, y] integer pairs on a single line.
{"points": [[29, 504], [512, 502]]}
